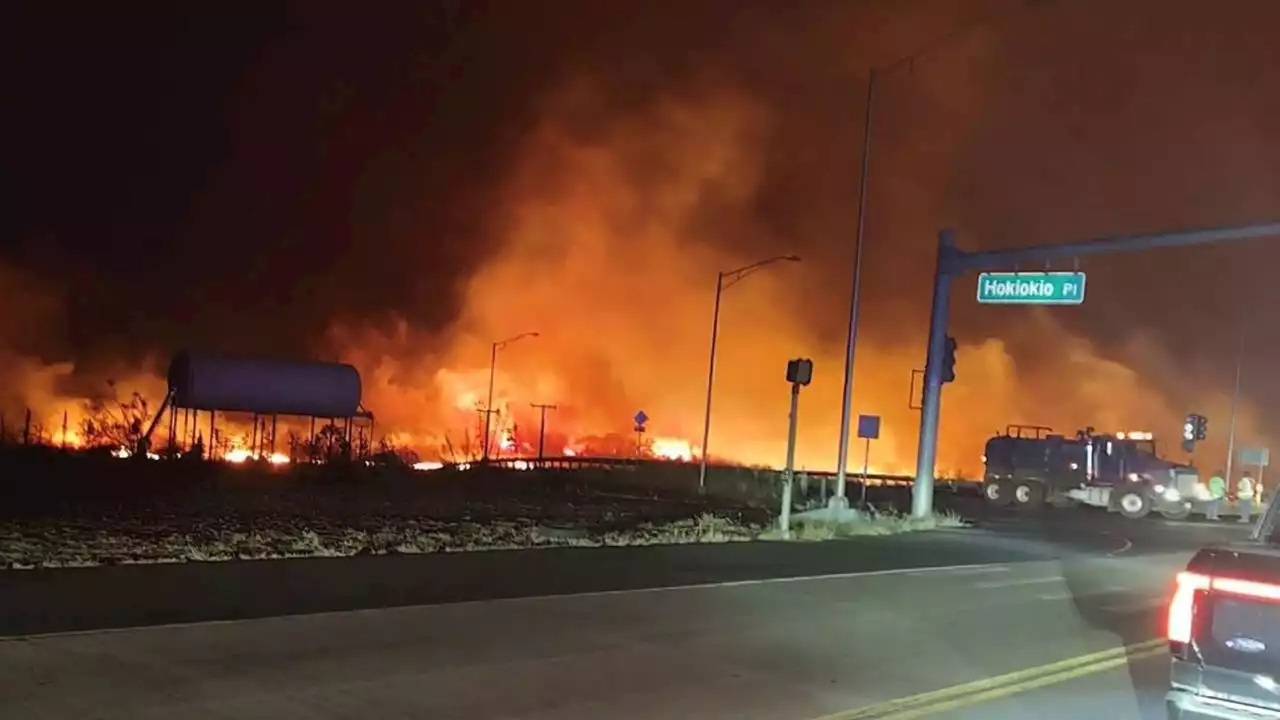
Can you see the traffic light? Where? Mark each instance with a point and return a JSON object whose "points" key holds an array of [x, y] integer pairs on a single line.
{"points": [[949, 360], [1194, 429]]}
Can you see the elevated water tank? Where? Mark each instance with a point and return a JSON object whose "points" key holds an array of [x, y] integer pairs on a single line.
{"points": [[269, 387]]}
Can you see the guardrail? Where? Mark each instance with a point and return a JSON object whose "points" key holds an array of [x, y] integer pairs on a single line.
{"points": [[571, 463]]}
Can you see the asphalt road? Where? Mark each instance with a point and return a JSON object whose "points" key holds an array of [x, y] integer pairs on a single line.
{"points": [[787, 631]]}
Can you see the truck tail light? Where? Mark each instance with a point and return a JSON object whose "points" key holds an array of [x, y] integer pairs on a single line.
{"points": [[1182, 606], [1181, 609]]}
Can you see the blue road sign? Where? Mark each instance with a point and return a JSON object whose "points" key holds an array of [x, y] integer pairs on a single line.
{"points": [[1031, 288], [641, 418], [1260, 457], [869, 427]]}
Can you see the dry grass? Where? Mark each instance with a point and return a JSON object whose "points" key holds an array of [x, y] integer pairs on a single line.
{"points": [[48, 544], [869, 524], [51, 544]]}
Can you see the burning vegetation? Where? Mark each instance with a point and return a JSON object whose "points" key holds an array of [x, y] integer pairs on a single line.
{"points": [[604, 235]]}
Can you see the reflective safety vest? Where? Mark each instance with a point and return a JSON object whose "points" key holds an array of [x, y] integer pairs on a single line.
{"points": [[1217, 487], [1244, 488]]}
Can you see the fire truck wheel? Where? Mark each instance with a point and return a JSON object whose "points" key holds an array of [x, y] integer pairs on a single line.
{"points": [[1028, 495], [1134, 504], [998, 493]]}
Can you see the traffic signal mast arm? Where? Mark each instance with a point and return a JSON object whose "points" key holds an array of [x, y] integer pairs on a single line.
{"points": [[953, 261], [961, 262]]}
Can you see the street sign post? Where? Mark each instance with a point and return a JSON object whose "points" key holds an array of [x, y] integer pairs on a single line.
{"points": [[640, 419], [868, 430], [1031, 288], [1259, 457]]}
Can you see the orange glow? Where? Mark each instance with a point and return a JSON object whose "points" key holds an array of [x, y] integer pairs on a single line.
{"points": [[672, 449], [607, 234], [240, 455]]}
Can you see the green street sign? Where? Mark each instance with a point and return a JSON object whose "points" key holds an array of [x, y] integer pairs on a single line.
{"points": [[1031, 288]]}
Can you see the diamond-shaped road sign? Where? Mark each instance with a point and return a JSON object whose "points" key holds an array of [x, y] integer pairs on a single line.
{"points": [[641, 418]]}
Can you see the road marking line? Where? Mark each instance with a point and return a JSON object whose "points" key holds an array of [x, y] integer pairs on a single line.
{"points": [[1019, 581], [1057, 596], [1001, 685], [973, 567], [1035, 684], [978, 570]]}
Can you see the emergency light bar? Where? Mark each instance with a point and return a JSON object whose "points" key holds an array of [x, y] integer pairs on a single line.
{"points": [[1135, 435]]}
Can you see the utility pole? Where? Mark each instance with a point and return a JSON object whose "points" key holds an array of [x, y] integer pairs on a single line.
{"points": [[1235, 400], [954, 262], [482, 423], [542, 426]]}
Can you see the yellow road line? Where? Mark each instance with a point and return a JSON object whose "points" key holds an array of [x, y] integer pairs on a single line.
{"points": [[1036, 683], [1001, 685]]}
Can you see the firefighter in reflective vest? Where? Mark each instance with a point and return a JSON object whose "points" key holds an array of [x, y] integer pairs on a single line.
{"points": [[1244, 496], [1217, 491]]}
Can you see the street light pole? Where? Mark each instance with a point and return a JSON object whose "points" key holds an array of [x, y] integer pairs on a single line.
{"points": [[488, 407], [846, 409], [1235, 400], [711, 374], [724, 280]]}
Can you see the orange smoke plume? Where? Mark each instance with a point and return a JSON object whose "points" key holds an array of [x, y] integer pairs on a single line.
{"points": [[612, 229]]}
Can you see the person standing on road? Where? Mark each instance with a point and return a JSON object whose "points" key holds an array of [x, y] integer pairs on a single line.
{"points": [[1244, 496], [1217, 491]]}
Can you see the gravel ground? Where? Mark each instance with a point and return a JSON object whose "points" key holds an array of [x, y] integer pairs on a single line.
{"points": [[32, 544]]}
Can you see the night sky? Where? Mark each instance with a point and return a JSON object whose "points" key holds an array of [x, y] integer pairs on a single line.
{"points": [[397, 184]]}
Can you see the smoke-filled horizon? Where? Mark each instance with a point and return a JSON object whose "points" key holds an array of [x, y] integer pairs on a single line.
{"points": [[399, 190]]}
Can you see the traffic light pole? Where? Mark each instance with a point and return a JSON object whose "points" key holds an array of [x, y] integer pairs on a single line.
{"points": [[953, 262], [926, 454]]}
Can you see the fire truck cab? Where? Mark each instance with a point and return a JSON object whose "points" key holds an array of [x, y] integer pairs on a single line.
{"points": [[1028, 466]]}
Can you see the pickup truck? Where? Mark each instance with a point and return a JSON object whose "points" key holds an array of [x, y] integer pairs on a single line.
{"points": [[1224, 630]]}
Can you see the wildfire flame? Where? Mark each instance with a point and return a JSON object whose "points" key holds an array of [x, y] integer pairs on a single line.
{"points": [[606, 241], [241, 455], [672, 449]]}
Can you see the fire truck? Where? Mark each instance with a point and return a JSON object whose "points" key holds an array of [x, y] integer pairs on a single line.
{"points": [[1028, 466]]}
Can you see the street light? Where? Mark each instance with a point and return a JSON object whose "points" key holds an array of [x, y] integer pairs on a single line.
{"points": [[493, 364], [1235, 396], [846, 410], [724, 280]]}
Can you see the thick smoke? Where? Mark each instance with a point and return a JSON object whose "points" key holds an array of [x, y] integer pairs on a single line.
{"points": [[610, 232], [665, 152]]}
